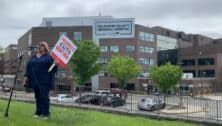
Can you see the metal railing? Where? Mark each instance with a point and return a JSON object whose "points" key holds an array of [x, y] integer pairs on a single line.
{"points": [[192, 108]]}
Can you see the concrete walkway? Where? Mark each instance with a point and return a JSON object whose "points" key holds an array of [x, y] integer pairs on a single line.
{"points": [[184, 110], [216, 96]]}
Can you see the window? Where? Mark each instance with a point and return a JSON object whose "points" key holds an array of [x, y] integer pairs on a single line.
{"points": [[151, 61], [103, 74], [146, 61], [13, 47], [206, 73], [167, 33], [62, 33], [145, 36], [146, 49], [143, 61], [103, 48], [166, 43], [205, 61], [141, 49], [129, 48], [188, 62], [29, 53], [77, 36], [144, 73], [30, 39], [103, 60], [114, 49], [48, 23], [151, 50], [190, 71], [60, 72]]}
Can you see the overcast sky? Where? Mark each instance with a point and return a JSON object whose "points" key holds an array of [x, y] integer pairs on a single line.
{"points": [[191, 16]]}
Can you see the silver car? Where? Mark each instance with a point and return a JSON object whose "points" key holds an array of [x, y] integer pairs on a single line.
{"points": [[150, 104], [103, 93]]}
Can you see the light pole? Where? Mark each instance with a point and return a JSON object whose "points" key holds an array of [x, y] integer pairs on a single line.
{"points": [[180, 104], [200, 72]]}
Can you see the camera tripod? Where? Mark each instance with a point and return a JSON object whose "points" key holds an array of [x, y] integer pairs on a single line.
{"points": [[19, 59]]}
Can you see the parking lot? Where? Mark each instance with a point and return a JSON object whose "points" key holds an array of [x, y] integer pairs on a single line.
{"points": [[192, 107]]}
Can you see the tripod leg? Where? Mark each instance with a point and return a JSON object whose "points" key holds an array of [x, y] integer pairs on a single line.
{"points": [[10, 98]]}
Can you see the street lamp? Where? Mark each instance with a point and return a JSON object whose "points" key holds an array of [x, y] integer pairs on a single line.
{"points": [[200, 72], [180, 92]]}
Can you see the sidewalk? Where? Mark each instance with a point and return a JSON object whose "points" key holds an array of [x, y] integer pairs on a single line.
{"points": [[216, 96], [184, 110]]}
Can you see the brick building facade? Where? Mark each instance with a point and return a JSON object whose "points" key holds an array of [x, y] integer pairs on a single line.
{"points": [[11, 53], [143, 47]]}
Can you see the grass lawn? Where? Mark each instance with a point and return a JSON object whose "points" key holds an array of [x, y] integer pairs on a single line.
{"points": [[21, 115]]}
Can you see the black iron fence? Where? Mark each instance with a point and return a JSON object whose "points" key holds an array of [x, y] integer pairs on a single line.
{"points": [[191, 107]]}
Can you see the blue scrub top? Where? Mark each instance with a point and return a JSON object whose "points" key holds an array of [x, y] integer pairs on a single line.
{"points": [[37, 71]]}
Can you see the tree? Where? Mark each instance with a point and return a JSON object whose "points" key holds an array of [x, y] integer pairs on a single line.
{"points": [[166, 76], [84, 62], [123, 68], [1, 49]]}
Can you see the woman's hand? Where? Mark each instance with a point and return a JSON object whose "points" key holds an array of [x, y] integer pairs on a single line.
{"points": [[56, 62]]}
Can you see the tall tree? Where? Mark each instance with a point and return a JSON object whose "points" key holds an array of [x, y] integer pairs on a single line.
{"points": [[123, 68], [84, 62], [166, 76], [1, 49]]}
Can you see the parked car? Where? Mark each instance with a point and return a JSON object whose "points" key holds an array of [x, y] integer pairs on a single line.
{"points": [[65, 98], [53, 98], [154, 93], [1, 88], [150, 104], [113, 101], [89, 99], [6, 89], [84, 99], [103, 93]]}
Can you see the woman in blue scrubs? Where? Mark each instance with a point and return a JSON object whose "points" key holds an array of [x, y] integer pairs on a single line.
{"points": [[40, 79]]}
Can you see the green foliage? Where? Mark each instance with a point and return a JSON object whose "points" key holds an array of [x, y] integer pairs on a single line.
{"points": [[166, 76], [1, 49], [84, 62], [123, 68]]}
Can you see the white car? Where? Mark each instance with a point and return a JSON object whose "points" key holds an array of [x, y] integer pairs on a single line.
{"points": [[150, 104], [66, 98], [53, 98], [103, 93]]}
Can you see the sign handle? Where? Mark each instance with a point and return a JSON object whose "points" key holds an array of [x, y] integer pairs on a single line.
{"points": [[51, 67]]}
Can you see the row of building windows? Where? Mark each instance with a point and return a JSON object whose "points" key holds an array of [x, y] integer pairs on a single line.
{"points": [[61, 73], [115, 48], [166, 43], [145, 36], [103, 60], [76, 35], [145, 61], [201, 73], [143, 73], [146, 49], [201, 62], [129, 48], [11, 48]]}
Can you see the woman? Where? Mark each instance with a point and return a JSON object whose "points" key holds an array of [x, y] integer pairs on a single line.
{"points": [[40, 79]]}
